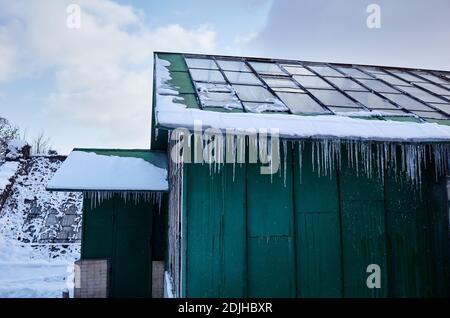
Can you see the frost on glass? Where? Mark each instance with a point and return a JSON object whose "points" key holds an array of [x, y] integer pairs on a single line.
{"points": [[237, 66], [370, 100], [312, 82], [210, 76], [325, 71], [301, 103], [267, 68], [407, 102], [346, 84], [265, 107], [201, 63], [378, 86], [253, 93], [217, 95], [242, 78], [296, 70], [332, 98]]}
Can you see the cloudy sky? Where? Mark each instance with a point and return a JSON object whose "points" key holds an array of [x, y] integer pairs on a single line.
{"points": [[91, 86]]}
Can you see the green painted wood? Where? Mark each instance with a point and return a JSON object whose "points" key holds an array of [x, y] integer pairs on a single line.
{"points": [[363, 231], [216, 232], [120, 232], [182, 82], [176, 60], [271, 267], [319, 269], [132, 261]]}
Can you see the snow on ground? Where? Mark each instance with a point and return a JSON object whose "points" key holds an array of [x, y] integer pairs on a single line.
{"points": [[90, 171], [7, 171], [39, 234]]}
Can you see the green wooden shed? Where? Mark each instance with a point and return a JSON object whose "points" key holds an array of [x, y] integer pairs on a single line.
{"points": [[356, 205]]}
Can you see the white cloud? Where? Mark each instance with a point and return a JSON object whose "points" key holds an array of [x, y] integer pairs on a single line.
{"points": [[102, 71]]}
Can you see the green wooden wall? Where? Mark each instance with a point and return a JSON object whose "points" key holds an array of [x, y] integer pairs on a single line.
{"points": [[254, 236], [121, 231]]}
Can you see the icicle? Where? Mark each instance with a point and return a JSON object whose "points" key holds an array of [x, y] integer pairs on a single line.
{"points": [[284, 161]]}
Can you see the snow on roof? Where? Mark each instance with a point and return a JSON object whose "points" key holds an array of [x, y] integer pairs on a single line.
{"points": [[170, 112], [111, 170]]}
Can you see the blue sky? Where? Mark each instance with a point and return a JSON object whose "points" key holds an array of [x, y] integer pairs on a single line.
{"points": [[91, 87]]}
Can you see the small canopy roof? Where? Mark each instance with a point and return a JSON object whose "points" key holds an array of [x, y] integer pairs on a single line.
{"points": [[111, 170]]}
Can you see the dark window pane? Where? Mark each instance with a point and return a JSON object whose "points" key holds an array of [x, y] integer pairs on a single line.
{"points": [[346, 83], [312, 81], [201, 63], [242, 78], [300, 103], [332, 98], [209, 76], [370, 100]]}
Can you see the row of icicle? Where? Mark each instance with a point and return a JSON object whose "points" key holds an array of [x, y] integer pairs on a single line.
{"points": [[97, 197]]}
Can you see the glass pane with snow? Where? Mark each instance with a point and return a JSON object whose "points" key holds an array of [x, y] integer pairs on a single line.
{"points": [[265, 107], [210, 76], [212, 87], [223, 100], [346, 83], [301, 103], [230, 65], [296, 70], [312, 82], [201, 63], [253, 93], [267, 68], [370, 100], [332, 98], [242, 78]]}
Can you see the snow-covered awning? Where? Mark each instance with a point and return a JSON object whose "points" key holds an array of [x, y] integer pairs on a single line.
{"points": [[111, 170]]}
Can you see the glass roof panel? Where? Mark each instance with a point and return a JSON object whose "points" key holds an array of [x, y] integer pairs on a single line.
{"points": [[391, 79], [443, 107], [431, 77], [378, 86], [325, 71], [265, 107], [209, 76], [371, 101], [297, 70], [242, 78], [201, 63], [267, 68], [274, 82], [347, 109], [406, 76], [230, 65], [422, 95], [301, 103], [333, 98], [432, 115], [224, 100], [346, 83], [407, 102], [210, 87], [288, 90], [391, 111], [312, 82], [353, 72], [254, 93], [434, 88]]}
